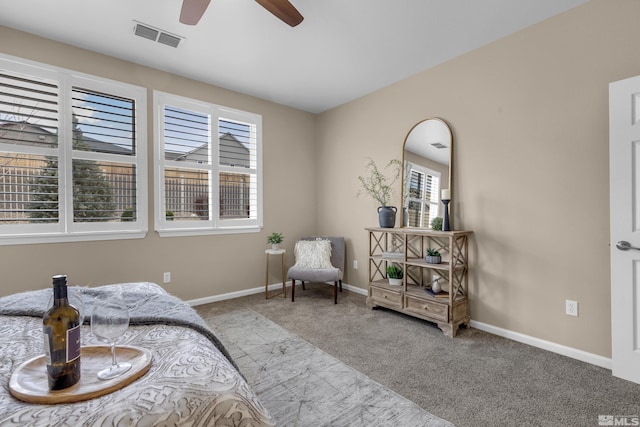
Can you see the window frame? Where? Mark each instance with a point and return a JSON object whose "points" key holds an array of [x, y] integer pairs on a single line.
{"points": [[65, 229], [213, 225], [433, 202]]}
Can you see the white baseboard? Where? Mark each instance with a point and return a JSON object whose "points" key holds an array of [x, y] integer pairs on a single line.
{"points": [[355, 289], [583, 356], [260, 289], [594, 359], [574, 353], [232, 295]]}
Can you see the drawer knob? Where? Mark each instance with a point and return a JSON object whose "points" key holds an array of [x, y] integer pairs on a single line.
{"points": [[385, 296]]}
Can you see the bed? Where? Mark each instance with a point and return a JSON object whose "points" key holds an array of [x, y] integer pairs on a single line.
{"points": [[192, 380]]}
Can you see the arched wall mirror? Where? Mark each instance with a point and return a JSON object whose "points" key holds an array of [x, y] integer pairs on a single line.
{"points": [[427, 165]]}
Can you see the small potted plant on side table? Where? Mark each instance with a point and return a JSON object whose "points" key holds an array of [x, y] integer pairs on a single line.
{"points": [[433, 256], [275, 239], [395, 273]]}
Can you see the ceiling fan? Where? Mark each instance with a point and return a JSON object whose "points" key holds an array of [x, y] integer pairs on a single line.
{"points": [[192, 11]]}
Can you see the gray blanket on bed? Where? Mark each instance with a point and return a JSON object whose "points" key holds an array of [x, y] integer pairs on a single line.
{"points": [[146, 307]]}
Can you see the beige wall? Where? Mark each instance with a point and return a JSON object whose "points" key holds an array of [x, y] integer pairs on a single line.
{"points": [[530, 120], [200, 266]]}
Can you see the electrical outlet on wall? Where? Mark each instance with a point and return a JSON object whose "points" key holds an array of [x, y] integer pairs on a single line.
{"points": [[571, 308], [167, 277], [355, 264]]}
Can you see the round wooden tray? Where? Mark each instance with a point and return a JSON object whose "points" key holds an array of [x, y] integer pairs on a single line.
{"points": [[29, 381]]}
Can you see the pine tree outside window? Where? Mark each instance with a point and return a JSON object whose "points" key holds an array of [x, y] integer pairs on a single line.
{"points": [[72, 156]]}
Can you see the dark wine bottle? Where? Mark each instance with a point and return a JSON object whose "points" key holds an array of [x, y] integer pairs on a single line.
{"points": [[61, 329]]}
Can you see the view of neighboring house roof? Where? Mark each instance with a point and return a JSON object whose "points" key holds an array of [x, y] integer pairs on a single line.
{"points": [[25, 133], [232, 152], [105, 147]]}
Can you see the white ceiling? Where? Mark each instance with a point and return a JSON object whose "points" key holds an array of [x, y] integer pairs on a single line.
{"points": [[342, 50]]}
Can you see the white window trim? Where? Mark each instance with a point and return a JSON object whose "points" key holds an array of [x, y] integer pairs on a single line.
{"points": [[215, 225], [434, 201], [65, 230]]}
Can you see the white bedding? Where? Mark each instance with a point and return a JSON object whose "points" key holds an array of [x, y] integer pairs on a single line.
{"points": [[190, 382]]}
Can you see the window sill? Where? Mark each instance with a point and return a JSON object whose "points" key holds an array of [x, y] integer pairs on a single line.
{"points": [[25, 239], [182, 232]]}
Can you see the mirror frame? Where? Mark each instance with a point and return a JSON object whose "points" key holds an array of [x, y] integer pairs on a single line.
{"points": [[450, 171]]}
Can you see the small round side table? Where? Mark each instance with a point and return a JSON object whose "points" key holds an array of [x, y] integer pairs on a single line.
{"points": [[280, 252]]}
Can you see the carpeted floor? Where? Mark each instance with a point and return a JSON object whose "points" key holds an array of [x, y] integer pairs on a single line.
{"points": [[302, 386], [475, 379]]}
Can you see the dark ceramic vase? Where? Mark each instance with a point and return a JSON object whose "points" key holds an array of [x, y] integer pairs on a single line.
{"points": [[387, 216]]}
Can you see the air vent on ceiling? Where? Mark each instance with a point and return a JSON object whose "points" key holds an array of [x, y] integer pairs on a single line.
{"points": [[169, 40], [438, 145], [148, 32]]}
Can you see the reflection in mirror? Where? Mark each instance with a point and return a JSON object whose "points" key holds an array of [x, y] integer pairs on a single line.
{"points": [[427, 159]]}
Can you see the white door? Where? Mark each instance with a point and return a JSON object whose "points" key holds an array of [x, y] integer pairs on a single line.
{"points": [[624, 172]]}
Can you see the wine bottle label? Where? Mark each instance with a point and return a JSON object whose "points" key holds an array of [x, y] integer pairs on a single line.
{"points": [[73, 343]]}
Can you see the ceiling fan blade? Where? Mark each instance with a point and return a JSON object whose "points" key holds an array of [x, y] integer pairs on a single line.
{"points": [[283, 10], [192, 11]]}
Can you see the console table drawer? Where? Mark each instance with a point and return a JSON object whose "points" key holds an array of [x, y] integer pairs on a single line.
{"points": [[426, 308], [385, 296]]}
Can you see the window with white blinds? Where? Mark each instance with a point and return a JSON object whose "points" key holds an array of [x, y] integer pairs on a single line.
{"points": [[422, 199], [72, 156], [209, 168]]}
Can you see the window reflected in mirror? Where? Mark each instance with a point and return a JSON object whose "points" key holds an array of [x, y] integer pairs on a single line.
{"points": [[422, 195]]}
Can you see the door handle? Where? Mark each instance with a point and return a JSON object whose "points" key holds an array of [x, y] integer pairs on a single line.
{"points": [[625, 246]]}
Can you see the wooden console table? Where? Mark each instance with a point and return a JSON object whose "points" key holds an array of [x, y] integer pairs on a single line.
{"points": [[406, 247]]}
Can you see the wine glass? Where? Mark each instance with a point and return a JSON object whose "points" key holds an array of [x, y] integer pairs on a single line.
{"points": [[109, 320]]}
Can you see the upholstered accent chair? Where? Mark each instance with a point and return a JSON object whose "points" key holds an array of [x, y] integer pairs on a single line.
{"points": [[318, 259]]}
